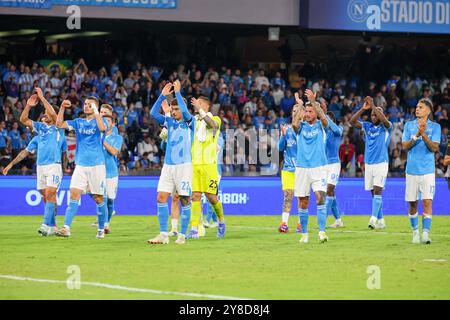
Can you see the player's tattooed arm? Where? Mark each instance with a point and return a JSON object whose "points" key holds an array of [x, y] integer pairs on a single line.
{"points": [[48, 107], [22, 155], [320, 113], [24, 117], [211, 123], [297, 119], [60, 123], [354, 121]]}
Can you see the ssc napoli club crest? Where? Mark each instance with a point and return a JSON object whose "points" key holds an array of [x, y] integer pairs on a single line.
{"points": [[357, 10]]}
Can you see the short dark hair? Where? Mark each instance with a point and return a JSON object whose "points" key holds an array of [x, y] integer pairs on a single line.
{"points": [[93, 98], [175, 102], [427, 102]]}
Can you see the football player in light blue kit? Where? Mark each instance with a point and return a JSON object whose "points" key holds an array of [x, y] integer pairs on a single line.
{"points": [[311, 163], [90, 173], [334, 138], [209, 209], [32, 148], [111, 148], [421, 139], [51, 145], [288, 145], [377, 137], [176, 174]]}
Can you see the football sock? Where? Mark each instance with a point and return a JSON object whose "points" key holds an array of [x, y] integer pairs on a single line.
{"points": [[196, 212], [102, 215], [380, 212], [304, 216], [55, 213], [329, 203], [185, 218], [414, 220], [376, 205], [49, 212], [174, 224], [218, 210], [321, 217], [426, 223], [210, 213], [110, 206], [71, 211], [163, 217], [285, 217], [335, 209]]}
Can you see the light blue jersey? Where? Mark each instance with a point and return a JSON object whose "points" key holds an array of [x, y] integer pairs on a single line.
{"points": [[32, 145], [288, 144], [420, 159], [51, 143], [377, 142], [311, 141], [180, 133], [111, 162], [220, 146], [334, 137], [89, 151]]}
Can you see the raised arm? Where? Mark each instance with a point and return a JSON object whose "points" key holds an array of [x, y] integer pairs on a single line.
{"points": [[60, 123], [24, 117], [380, 114], [157, 105], [320, 113], [355, 117], [181, 104], [282, 141], [204, 116], [48, 107], [297, 119], [337, 130], [98, 118]]}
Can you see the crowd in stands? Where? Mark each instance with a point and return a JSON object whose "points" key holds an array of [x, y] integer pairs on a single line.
{"points": [[245, 99]]}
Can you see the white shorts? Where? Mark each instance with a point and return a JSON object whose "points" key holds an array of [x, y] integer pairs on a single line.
{"points": [[375, 175], [49, 175], [334, 170], [111, 187], [176, 178], [89, 179], [307, 178], [425, 185]]}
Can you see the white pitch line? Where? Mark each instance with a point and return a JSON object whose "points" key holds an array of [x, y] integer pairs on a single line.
{"points": [[117, 287], [341, 231], [434, 260]]}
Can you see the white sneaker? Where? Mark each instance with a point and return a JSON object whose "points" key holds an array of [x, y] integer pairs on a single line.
{"points": [[425, 238], [416, 237], [337, 224], [206, 224], [100, 234], [380, 225], [323, 237], [201, 230], [181, 239], [173, 233], [304, 238], [213, 225], [159, 239], [372, 223]]}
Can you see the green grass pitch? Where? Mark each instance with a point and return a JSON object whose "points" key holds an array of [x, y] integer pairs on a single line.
{"points": [[253, 261]]}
